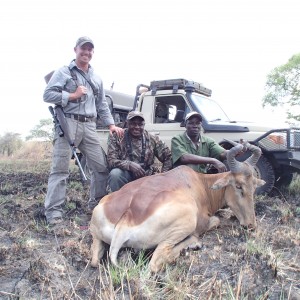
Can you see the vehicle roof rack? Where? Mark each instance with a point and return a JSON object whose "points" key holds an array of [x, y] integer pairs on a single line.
{"points": [[176, 84]]}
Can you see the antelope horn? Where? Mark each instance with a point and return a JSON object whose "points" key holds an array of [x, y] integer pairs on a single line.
{"points": [[234, 165], [256, 153], [233, 143]]}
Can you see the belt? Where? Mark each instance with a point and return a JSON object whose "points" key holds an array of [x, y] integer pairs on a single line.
{"points": [[80, 118]]}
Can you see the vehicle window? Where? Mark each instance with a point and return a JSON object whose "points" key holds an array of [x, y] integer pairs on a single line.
{"points": [[169, 109], [209, 109]]}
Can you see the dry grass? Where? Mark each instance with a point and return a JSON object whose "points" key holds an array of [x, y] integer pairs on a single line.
{"points": [[34, 150], [37, 262]]}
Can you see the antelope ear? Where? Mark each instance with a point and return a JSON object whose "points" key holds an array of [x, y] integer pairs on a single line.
{"points": [[259, 182], [221, 183]]}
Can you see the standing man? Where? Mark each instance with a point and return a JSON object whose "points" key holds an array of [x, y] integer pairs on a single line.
{"points": [[79, 91], [133, 156], [195, 150]]}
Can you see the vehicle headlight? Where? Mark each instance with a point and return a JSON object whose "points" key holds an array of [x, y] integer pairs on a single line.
{"points": [[275, 141]]}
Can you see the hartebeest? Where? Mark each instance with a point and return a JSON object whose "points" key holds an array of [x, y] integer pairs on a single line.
{"points": [[169, 211]]}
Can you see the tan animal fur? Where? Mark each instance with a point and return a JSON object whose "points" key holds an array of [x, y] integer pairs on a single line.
{"points": [[170, 211]]}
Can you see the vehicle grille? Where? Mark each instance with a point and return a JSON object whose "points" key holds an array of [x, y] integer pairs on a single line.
{"points": [[295, 138], [280, 140]]}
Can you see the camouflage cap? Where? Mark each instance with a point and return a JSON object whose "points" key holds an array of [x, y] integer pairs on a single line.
{"points": [[83, 40], [135, 113], [192, 114]]}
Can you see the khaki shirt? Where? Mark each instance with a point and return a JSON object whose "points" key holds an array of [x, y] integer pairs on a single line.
{"points": [[62, 84]]}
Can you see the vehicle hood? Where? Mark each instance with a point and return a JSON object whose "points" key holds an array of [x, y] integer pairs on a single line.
{"points": [[240, 126]]}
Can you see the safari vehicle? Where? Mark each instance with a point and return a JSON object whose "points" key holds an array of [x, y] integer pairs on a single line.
{"points": [[280, 147], [119, 111]]}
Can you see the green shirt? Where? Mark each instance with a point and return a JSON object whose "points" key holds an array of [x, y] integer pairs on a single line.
{"points": [[181, 145]]}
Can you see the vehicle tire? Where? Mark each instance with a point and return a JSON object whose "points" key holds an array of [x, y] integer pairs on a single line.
{"points": [[284, 180], [263, 170], [86, 171]]}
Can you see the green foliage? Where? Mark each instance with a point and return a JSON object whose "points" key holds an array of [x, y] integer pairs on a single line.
{"points": [[283, 87], [256, 247], [294, 187], [44, 130], [128, 269], [10, 143]]}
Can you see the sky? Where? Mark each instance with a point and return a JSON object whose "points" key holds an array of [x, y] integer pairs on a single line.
{"points": [[229, 46]]}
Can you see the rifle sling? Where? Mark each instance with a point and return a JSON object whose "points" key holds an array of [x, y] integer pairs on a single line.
{"points": [[85, 77]]}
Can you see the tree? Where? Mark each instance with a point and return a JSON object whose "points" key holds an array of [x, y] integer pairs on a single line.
{"points": [[44, 130], [10, 143], [283, 87]]}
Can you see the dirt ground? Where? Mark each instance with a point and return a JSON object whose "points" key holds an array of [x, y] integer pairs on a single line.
{"points": [[38, 262]]}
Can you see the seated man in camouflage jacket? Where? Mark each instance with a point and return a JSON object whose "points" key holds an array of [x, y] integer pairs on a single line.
{"points": [[133, 156]]}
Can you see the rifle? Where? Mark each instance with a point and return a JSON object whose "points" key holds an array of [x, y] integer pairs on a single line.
{"points": [[61, 125]]}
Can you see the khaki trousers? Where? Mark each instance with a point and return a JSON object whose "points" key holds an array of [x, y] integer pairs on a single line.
{"points": [[87, 141]]}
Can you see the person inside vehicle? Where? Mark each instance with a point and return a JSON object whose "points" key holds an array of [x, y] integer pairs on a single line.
{"points": [[161, 113], [195, 150], [133, 156]]}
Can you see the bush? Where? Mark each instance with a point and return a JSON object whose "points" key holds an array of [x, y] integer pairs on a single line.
{"points": [[34, 150]]}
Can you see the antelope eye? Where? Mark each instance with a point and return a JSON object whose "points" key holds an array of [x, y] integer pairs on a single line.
{"points": [[239, 187]]}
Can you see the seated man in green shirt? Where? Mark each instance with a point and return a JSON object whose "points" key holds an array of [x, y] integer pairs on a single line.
{"points": [[195, 150]]}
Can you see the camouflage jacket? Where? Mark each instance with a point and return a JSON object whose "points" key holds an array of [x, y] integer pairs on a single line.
{"points": [[142, 151]]}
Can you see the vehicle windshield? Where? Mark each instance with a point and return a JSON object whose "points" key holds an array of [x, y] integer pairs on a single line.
{"points": [[209, 109]]}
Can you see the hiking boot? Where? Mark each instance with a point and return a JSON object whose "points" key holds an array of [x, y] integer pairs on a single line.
{"points": [[55, 221], [39, 214]]}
